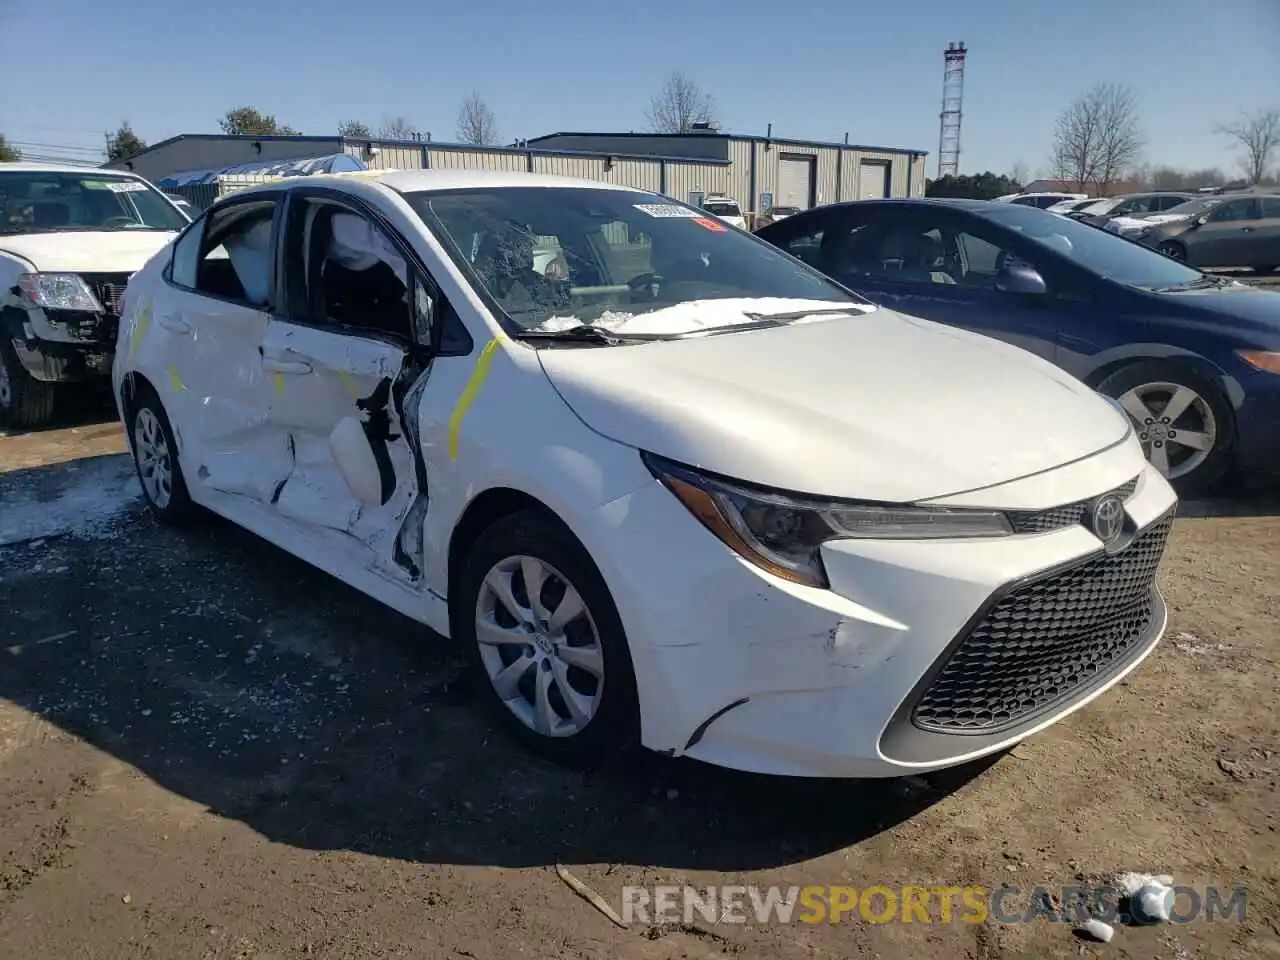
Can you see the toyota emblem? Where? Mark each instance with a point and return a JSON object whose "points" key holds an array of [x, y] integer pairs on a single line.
{"points": [[1107, 518]]}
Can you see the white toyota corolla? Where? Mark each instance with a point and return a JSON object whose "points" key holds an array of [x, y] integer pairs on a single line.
{"points": [[679, 490]]}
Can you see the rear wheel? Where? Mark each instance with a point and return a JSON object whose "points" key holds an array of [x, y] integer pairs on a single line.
{"points": [[1183, 421], [546, 640], [155, 454], [24, 400]]}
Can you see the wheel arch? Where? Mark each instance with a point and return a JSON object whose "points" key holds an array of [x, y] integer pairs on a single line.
{"points": [[484, 510], [1196, 364]]}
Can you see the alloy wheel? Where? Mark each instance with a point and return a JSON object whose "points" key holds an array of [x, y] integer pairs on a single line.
{"points": [[540, 646], [155, 466], [1175, 424], [6, 385]]}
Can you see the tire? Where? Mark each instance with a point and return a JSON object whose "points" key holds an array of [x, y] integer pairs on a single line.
{"points": [[154, 449], [25, 402], [1173, 250], [612, 723], [1157, 381]]}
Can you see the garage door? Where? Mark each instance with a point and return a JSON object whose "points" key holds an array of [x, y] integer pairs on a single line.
{"points": [[795, 181], [873, 180]]}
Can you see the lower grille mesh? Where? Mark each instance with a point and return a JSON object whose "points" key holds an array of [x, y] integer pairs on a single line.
{"points": [[1044, 640]]}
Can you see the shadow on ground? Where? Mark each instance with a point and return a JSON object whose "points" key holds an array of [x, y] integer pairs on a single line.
{"points": [[239, 677]]}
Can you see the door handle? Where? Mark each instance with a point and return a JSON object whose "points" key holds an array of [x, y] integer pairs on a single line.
{"points": [[1247, 229], [175, 324], [286, 366]]}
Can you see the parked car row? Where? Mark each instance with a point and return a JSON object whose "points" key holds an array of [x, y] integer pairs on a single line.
{"points": [[1192, 357]]}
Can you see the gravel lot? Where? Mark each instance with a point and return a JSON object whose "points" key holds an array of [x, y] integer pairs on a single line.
{"points": [[209, 750]]}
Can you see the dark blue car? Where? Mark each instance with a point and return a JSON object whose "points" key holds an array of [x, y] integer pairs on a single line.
{"points": [[1194, 359]]}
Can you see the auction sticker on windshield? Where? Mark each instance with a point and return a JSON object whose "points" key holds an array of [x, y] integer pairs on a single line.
{"points": [[116, 186], [667, 210], [711, 225]]}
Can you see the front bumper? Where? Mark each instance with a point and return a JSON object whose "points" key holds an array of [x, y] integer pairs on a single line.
{"points": [[1258, 426], [84, 350], [738, 668]]}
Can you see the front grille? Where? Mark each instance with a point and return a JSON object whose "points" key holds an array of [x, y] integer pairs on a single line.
{"points": [[108, 288], [1046, 640], [1055, 518]]}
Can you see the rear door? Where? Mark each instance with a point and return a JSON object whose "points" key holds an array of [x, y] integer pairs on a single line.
{"points": [[207, 323], [1228, 237], [1267, 253], [341, 359]]}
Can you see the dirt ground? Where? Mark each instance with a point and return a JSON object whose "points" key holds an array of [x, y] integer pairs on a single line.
{"points": [[209, 750]]}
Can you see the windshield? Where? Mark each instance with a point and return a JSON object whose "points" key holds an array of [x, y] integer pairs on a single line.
{"points": [[43, 202], [1095, 250], [551, 258], [722, 208], [1193, 207], [1099, 207]]}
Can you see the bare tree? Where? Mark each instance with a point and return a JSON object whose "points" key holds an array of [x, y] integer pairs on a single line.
{"points": [[1020, 174], [476, 122], [679, 104], [397, 128], [1257, 136], [1098, 138], [354, 128]]}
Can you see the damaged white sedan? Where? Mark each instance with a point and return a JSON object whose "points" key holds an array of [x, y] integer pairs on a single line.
{"points": [[668, 485]]}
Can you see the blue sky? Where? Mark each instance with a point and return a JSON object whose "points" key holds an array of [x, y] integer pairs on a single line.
{"points": [[813, 69]]}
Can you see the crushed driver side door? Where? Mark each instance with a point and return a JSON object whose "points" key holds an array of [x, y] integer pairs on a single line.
{"points": [[343, 364]]}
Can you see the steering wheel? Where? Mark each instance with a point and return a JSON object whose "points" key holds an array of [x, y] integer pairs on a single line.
{"points": [[122, 220], [645, 287]]}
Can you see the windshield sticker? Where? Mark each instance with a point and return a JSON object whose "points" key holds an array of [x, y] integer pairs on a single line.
{"points": [[116, 186], [666, 210], [711, 225]]}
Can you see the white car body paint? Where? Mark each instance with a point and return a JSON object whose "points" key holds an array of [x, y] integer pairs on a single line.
{"points": [[733, 665], [1127, 226]]}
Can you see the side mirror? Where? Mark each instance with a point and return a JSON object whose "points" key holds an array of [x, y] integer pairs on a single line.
{"points": [[1021, 279], [1200, 221]]}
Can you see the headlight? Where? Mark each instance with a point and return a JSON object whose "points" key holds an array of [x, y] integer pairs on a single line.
{"points": [[1266, 360], [59, 291], [783, 533]]}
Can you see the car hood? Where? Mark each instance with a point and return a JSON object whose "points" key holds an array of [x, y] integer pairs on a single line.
{"points": [[104, 251], [881, 406], [1252, 308]]}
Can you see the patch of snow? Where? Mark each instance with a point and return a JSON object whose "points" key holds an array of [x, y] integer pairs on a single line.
{"points": [[83, 498], [696, 315]]}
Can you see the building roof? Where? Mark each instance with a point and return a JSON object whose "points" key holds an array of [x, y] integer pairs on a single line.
{"points": [[725, 135]]}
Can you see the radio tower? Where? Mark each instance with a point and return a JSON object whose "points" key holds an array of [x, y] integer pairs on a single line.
{"points": [[952, 98]]}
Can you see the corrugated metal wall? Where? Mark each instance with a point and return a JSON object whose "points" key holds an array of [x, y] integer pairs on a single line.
{"points": [[836, 169], [450, 159]]}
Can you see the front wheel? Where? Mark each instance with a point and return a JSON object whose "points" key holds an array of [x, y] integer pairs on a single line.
{"points": [[25, 402], [1184, 422], [547, 641]]}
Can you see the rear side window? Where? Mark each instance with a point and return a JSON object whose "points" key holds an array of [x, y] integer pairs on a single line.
{"points": [[231, 258], [1270, 208]]}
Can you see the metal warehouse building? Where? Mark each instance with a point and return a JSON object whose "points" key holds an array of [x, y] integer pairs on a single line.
{"points": [[758, 171]]}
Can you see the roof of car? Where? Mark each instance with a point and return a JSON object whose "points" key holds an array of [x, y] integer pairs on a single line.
{"points": [[24, 166], [410, 181]]}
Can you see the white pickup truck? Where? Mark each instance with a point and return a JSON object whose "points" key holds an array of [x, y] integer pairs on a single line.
{"points": [[70, 239]]}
